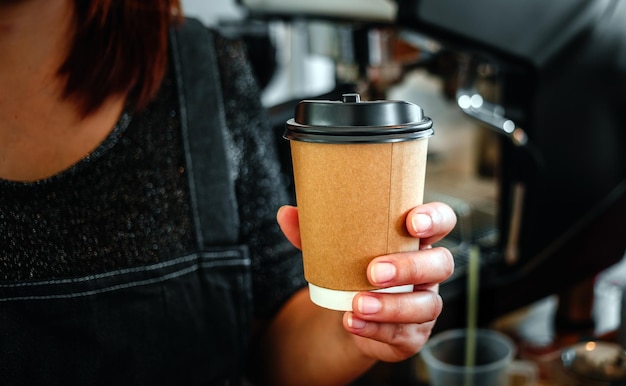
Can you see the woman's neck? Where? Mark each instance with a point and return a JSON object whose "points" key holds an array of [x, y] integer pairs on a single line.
{"points": [[34, 39], [42, 133]]}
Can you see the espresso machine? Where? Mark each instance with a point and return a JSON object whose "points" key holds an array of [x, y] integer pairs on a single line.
{"points": [[545, 85], [559, 73]]}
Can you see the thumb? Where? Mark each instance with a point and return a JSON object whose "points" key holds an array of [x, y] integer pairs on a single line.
{"points": [[287, 218]]}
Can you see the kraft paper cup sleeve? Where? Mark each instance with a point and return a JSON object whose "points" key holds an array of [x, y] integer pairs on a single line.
{"points": [[353, 202]]}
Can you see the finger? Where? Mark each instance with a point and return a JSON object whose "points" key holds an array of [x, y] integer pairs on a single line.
{"points": [[414, 307], [397, 341], [430, 222], [391, 333], [287, 218], [426, 266]]}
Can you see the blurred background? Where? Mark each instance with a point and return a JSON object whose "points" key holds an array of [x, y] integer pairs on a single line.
{"points": [[528, 102]]}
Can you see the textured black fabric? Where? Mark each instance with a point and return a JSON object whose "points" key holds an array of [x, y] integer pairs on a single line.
{"points": [[179, 322], [127, 204], [203, 127]]}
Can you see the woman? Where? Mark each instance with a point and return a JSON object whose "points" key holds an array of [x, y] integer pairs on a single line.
{"points": [[117, 266]]}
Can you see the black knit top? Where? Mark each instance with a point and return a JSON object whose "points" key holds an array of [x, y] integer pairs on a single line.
{"points": [[127, 203]]}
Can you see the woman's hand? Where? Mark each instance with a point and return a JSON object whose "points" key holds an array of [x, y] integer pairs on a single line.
{"points": [[393, 327]]}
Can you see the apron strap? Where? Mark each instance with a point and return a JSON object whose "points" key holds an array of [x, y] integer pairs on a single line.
{"points": [[203, 126]]}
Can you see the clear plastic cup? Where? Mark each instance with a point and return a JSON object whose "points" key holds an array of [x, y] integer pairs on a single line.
{"points": [[493, 362]]}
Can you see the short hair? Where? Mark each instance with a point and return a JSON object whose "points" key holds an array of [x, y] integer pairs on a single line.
{"points": [[120, 46]]}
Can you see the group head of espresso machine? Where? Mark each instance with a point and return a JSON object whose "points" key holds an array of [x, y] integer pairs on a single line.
{"points": [[548, 78]]}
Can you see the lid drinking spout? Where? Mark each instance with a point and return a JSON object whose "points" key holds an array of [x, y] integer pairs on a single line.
{"points": [[351, 98]]}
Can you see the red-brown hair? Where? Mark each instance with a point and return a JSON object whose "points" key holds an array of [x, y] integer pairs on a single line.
{"points": [[120, 46]]}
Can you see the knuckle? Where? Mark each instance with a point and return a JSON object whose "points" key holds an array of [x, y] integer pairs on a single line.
{"points": [[437, 306], [415, 270], [395, 312], [447, 261]]}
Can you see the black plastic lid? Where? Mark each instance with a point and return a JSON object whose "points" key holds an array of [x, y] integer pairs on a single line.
{"points": [[353, 121]]}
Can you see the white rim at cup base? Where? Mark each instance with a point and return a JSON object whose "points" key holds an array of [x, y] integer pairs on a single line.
{"points": [[342, 300]]}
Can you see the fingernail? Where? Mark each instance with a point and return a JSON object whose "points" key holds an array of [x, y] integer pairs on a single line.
{"points": [[278, 211], [382, 272], [368, 305], [421, 223], [356, 322]]}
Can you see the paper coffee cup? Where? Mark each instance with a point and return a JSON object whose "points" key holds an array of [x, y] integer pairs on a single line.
{"points": [[359, 168]]}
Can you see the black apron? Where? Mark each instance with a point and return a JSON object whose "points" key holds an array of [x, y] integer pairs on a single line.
{"points": [[184, 321]]}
